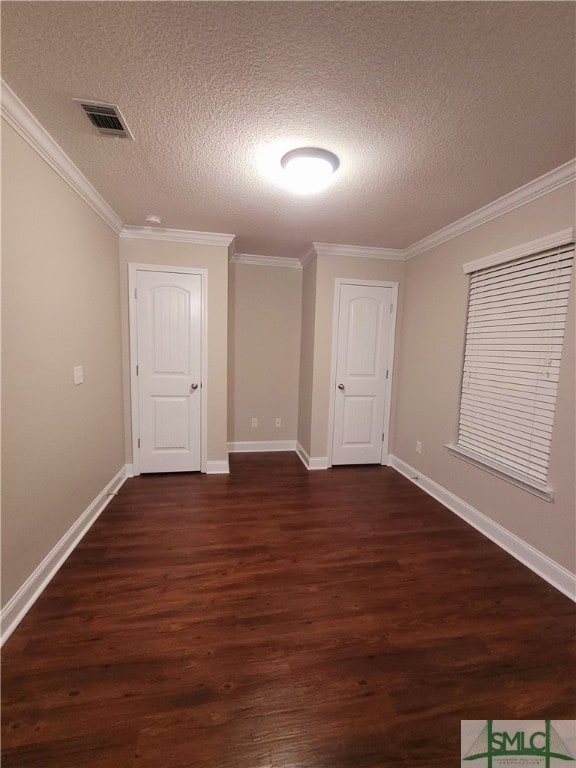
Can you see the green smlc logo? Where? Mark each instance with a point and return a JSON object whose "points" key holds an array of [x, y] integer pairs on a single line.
{"points": [[545, 744]]}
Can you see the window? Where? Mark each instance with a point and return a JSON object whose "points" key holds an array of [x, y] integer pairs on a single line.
{"points": [[514, 336]]}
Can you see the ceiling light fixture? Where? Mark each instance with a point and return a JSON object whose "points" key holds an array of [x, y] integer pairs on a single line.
{"points": [[151, 219], [309, 169]]}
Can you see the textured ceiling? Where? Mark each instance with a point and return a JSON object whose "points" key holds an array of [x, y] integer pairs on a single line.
{"points": [[434, 108]]}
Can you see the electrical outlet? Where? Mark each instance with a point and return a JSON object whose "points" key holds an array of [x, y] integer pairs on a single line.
{"points": [[278, 421], [418, 446], [254, 421], [78, 374]]}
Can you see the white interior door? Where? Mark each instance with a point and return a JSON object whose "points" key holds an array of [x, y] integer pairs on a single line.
{"points": [[364, 338], [169, 360]]}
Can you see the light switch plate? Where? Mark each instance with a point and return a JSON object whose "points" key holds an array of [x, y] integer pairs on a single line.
{"points": [[78, 374]]}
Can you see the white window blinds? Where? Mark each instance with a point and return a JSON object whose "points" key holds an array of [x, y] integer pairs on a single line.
{"points": [[514, 336]]}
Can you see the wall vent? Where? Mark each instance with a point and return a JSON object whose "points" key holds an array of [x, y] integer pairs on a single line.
{"points": [[106, 118]]}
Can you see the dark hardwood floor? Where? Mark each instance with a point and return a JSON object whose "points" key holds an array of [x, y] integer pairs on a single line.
{"points": [[279, 618]]}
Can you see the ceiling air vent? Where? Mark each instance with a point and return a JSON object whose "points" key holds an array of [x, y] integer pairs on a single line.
{"points": [[106, 118]]}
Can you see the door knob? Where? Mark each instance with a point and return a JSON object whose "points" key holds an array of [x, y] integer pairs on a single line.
{"points": [[193, 387], [341, 386]]}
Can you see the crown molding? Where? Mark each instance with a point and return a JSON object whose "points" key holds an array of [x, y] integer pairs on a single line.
{"points": [[307, 256], [555, 240], [358, 251], [265, 261], [177, 235], [543, 185], [27, 126]]}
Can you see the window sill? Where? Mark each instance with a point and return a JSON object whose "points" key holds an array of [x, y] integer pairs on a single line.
{"points": [[542, 491]]}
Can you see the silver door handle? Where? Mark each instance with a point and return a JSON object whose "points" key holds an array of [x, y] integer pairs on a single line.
{"points": [[341, 386], [193, 387]]}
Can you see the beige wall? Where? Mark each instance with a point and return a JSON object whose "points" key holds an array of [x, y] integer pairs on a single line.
{"points": [[306, 375], [60, 308], [328, 269], [65, 303], [429, 381], [215, 260], [263, 351]]}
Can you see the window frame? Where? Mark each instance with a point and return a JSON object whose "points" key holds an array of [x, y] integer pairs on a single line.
{"points": [[559, 239]]}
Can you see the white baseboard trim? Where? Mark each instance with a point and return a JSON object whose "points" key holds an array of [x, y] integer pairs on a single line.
{"points": [[556, 575], [264, 446], [21, 602], [311, 462], [217, 468], [302, 455], [129, 470]]}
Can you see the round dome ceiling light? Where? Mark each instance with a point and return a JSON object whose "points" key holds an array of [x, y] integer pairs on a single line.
{"points": [[309, 169], [151, 220]]}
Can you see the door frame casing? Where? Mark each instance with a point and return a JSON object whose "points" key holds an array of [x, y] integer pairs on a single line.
{"points": [[338, 282], [133, 269]]}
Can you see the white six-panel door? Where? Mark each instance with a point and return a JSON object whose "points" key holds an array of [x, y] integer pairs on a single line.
{"points": [[169, 367], [364, 335]]}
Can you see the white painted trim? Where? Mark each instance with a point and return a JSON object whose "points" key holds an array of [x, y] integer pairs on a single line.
{"points": [[21, 602], [333, 364], [30, 129], [307, 256], [390, 364], [133, 268], [133, 361], [564, 237], [177, 235], [265, 261], [217, 467], [555, 179], [129, 470], [27, 126], [338, 282], [311, 462], [556, 575], [302, 454], [318, 462], [262, 446], [162, 268], [358, 251]]}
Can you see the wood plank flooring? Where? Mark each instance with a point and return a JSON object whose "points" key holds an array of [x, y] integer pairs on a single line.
{"points": [[279, 618]]}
